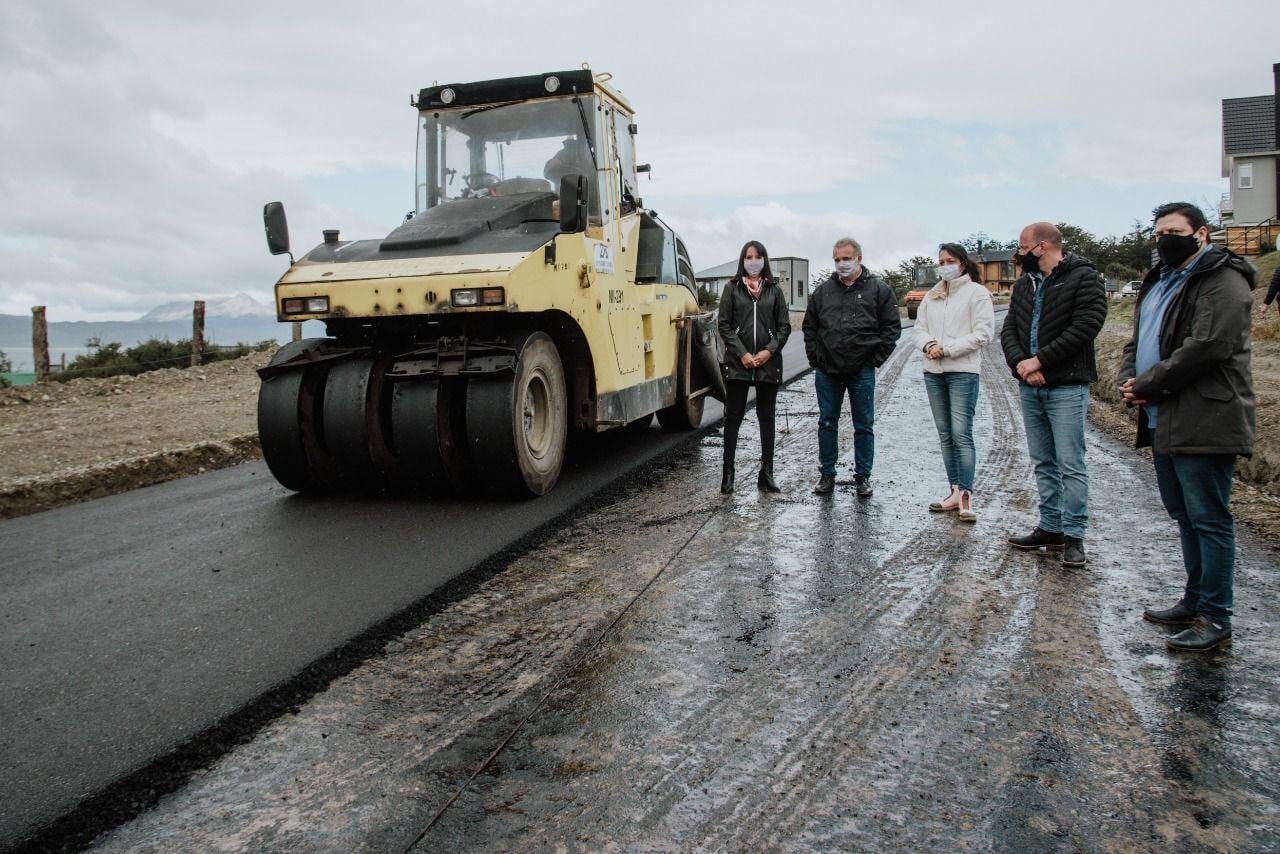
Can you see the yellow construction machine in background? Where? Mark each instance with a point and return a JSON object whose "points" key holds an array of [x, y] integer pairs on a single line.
{"points": [[530, 292]]}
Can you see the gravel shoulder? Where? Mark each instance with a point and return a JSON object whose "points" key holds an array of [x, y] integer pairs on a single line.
{"points": [[66, 442]]}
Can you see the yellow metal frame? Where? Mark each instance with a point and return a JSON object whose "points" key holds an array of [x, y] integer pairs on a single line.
{"points": [[633, 330]]}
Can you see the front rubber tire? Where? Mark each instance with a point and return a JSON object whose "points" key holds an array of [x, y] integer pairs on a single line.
{"points": [[517, 424]]}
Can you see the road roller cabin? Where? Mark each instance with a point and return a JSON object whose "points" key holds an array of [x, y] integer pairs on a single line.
{"points": [[530, 292]]}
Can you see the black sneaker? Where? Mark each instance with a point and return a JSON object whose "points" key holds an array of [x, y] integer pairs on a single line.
{"points": [[1179, 615], [1073, 552], [826, 485], [1203, 635], [863, 486], [1039, 538]]}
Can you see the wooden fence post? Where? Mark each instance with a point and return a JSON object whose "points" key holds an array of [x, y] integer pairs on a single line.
{"points": [[40, 343], [197, 334], [297, 330]]}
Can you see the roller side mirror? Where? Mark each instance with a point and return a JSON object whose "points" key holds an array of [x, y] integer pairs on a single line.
{"points": [[277, 228], [573, 203]]}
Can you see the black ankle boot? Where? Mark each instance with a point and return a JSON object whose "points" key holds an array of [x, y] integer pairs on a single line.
{"points": [[765, 481], [726, 481]]}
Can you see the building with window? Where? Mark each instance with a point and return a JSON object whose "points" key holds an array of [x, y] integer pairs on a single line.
{"points": [[999, 272], [1250, 156]]}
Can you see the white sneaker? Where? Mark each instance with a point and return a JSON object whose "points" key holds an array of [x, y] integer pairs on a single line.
{"points": [[946, 505], [966, 507]]}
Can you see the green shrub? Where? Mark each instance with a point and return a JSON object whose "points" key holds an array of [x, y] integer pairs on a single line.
{"points": [[113, 359]]}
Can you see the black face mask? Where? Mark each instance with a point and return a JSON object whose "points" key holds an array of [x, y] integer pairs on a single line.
{"points": [[1029, 262], [1175, 249]]}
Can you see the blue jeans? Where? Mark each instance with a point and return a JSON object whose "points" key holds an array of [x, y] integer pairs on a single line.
{"points": [[1054, 421], [953, 397], [862, 404], [1196, 490]]}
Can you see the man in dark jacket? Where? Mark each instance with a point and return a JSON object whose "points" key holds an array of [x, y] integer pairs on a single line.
{"points": [[1058, 308], [851, 325], [1187, 366]]}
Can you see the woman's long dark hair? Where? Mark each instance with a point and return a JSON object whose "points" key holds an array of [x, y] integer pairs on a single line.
{"points": [[967, 265], [766, 273]]}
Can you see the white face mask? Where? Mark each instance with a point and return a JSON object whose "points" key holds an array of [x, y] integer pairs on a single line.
{"points": [[947, 272], [846, 268], [753, 266]]}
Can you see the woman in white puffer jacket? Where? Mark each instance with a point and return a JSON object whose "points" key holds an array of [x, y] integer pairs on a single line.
{"points": [[954, 322]]}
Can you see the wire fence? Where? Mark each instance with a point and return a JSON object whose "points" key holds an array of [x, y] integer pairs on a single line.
{"points": [[137, 364]]}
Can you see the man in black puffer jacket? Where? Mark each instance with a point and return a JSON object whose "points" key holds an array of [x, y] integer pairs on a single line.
{"points": [[851, 325], [1058, 308]]}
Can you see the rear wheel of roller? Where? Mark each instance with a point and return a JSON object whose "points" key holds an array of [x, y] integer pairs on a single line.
{"points": [[517, 424]]}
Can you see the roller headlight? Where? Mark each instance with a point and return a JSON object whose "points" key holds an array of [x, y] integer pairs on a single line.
{"points": [[305, 305], [447, 96], [465, 297], [552, 83]]}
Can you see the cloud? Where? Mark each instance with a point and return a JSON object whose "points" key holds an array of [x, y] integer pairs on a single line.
{"points": [[781, 164], [986, 180], [141, 139], [784, 231], [108, 213]]}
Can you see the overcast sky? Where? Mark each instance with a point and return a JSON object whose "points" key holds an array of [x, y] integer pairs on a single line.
{"points": [[139, 140]]}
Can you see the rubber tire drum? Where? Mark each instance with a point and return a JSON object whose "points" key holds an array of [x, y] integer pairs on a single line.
{"points": [[355, 419], [289, 429], [517, 424], [430, 452], [288, 426]]}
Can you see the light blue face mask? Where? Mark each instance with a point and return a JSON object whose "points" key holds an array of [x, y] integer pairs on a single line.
{"points": [[947, 272], [753, 266]]}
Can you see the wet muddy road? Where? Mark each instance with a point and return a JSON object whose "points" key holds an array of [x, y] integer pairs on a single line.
{"points": [[680, 670]]}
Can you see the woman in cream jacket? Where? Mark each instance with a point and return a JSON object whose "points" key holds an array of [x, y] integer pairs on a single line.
{"points": [[954, 322]]}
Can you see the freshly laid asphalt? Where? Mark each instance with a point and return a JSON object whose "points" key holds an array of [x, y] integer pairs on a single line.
{"points": [[133, 623]]}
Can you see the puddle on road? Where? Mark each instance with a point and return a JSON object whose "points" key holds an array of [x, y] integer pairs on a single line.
{"points": [[805, 673]]}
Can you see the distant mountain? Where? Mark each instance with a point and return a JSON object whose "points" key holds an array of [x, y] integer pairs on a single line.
{"points": [[239, 305], [15, 331]]}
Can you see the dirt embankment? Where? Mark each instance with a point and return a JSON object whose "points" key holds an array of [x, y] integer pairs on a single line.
{"points": [[67, 442], [1256, 499]]}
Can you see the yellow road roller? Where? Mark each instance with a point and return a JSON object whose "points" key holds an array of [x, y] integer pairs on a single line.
{"points": [[529, 292]]}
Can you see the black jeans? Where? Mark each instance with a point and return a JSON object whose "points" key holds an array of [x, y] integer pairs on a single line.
{"points": [[735, 407]]}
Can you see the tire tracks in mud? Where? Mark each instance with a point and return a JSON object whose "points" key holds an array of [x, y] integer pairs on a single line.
{"points": [[934, 653], [892, 670], [750, 815]]}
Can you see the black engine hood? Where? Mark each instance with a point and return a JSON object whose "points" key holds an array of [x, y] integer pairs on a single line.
{"points": [[520, 222]]}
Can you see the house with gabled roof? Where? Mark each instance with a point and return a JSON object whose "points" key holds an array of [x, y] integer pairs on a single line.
{"points": [[1251, 163]]}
